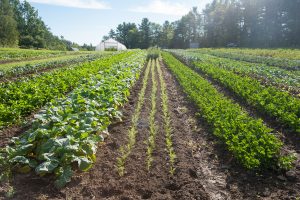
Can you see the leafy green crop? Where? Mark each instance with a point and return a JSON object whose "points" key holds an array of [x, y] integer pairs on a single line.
{"points": [[282, 62], [281, 78], [278, 104], [20, 98], [167, 119], [12, 70], [15, 54], [152, 122], [250, 141], [66, 131]]}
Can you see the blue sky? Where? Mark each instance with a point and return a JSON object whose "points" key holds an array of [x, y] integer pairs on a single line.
{"points": [[86, 21]]}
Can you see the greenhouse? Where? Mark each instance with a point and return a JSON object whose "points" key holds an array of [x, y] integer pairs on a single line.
{"points": [[110, 45]]}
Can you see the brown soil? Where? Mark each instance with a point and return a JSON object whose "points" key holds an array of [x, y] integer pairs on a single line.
{"points": [[204, 169], [9, 132]]}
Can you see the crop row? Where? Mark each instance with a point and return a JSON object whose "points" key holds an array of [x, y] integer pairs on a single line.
{"points": [[125, 150], [10, 55], [250, 141], [166, 119], [275, 103], [291, 54], [152, 122], [281, 78], [66, 131], [20, 98], [277, 62], [20, 69]]}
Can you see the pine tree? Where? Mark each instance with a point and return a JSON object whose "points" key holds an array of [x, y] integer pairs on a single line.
{"points": [[8, 25]]}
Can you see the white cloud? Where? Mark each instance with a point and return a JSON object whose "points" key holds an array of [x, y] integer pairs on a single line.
{"points": [[163, 7], [87, 4]]}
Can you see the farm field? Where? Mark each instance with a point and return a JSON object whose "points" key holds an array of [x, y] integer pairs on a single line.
{"points": [[21, 68], [8, 55], [150, 124]]}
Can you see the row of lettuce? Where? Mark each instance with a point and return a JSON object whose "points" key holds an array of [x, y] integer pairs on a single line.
{"points": [[67, 129], [29, 67], [250, 141], [22, 97], [279, 105], [281, 62]]}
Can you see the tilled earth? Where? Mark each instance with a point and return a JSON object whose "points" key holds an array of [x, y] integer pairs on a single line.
{"points": [[204, 169]]}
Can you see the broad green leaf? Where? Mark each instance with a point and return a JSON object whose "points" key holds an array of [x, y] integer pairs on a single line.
{"points": [[20, 159], [64, 177], [84, 164], [47, 166]]}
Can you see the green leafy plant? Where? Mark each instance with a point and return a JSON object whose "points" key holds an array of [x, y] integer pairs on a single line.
{"points": [[20, 98], [17, 69], [280, 105], [250, 141], [153, 53], [67, 130]]}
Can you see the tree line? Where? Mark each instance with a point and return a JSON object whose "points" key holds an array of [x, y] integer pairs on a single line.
{"points": [[20, 25], [243, 23]]}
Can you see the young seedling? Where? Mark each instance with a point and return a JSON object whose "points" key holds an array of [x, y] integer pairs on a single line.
{"points": [[126, 149], [167, 120], [152, 122]]}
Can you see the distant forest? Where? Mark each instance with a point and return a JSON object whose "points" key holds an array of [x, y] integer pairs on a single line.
{"points": [[242, 23], [20, 25]]}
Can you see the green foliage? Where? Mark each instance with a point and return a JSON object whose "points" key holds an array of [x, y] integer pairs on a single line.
{"points": [[152, 121], [67, 130], [219, 25], [251, 56], [153, 53], [8, 25], [286, 162], [20, 25], [16, 54], [268, 75], [280, 105], [20, 98], [111, 49], [167, 120], [250, 141], [15, 69]]}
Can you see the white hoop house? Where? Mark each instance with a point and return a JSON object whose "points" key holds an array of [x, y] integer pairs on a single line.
{"points": [[110, 44]]}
